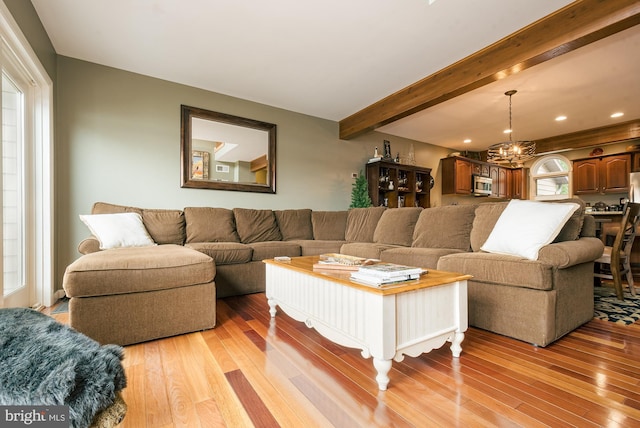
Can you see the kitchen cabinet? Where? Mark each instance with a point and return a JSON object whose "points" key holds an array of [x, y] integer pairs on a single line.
{"points": [[396, 185], [457, 172], [501, 181], [635, 162], [519, 183], [604, 174], [456, 175]]}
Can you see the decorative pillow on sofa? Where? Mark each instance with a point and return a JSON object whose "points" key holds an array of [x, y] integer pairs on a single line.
{"points": [[396, 225], [361, 223], [205, 224], [256, 225], [294, 224], [526, 226], [118, 230]]}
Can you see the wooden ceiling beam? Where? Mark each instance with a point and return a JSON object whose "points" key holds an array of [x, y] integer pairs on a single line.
{"points": [[618, 133], [576, 25]]}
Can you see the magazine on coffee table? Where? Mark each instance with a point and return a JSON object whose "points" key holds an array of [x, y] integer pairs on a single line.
{"points": [[378, 282]]}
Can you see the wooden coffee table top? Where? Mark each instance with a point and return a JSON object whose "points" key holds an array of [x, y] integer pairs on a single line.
{"points": [[431, 279]]}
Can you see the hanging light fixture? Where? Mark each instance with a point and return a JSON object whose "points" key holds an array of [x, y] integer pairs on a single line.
{"points": [[513, 153]]}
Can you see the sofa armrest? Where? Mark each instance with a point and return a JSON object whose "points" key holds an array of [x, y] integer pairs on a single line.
{"points": [[89, 245], [570, 253]]}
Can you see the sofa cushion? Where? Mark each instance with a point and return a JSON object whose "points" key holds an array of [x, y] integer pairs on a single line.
{"points": [[361, 223], [526, 226], [165, 226], [422, 257], [224, 253], [445, 227], [294, 224], [571, 229], [500, 269], [487, 215], [368, 250], [396, 225], [329, 225], [118, 230], [206, 224], [271, 249], [106, 208], [588, 227], [256, 225], [315, 247], [136, 269]]}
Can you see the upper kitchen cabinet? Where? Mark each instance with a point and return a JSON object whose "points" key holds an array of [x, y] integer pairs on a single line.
{"points": [[456, 175], [507, 183], [519, 183], [604, 174]]}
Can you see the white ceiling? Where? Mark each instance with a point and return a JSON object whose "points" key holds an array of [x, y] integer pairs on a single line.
{"points": [[332, 58]]}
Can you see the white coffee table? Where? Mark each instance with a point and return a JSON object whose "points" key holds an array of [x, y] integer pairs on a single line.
{"points": [[386, 323]]}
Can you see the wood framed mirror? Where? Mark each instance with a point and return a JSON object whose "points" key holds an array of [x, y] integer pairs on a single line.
{"points": [[224, 152]]}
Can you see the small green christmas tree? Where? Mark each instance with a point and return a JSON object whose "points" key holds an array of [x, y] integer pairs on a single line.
{"points": [[360, 193]]}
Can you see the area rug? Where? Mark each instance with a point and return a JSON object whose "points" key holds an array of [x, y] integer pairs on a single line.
{"points": [[44, 362], [609, 308]]}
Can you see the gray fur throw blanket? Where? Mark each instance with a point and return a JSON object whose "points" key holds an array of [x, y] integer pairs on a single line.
{"points": [[44, 362]]}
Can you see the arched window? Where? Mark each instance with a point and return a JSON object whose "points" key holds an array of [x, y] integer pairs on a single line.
{"points": [[550, 178]]}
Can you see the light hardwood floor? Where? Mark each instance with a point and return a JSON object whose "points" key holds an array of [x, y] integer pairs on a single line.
{"points": [[249, 371]]}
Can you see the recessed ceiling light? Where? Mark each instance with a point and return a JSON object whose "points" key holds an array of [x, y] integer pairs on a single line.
{"points": [[507, 131], [467, 140], [617, 114], [561, 118]]}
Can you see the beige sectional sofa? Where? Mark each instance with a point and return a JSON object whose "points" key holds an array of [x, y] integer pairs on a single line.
{"points": [[536, 301]]}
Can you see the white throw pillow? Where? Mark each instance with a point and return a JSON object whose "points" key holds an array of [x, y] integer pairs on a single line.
{"points": [[118, 230], [526, 226]]}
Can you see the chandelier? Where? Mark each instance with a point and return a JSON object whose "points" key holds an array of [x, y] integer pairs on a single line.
{"points": [[513, 153]]}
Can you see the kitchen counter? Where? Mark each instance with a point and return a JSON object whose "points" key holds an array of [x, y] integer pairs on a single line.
{"points": [[607, 223], [604, 213]]}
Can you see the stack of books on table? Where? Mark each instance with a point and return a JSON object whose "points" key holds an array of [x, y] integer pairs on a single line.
{"points": [[386, 273]]}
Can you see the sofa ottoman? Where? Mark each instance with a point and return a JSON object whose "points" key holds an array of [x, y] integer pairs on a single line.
{"points": [[136, 294]]}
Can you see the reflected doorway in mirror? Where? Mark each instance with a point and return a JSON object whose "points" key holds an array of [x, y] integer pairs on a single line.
{"points": [[200, 165]]}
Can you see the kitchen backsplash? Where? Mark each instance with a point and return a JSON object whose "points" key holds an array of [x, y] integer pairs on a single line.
{"points": [[609, 202]]}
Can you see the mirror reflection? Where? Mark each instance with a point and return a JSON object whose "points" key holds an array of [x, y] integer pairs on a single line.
{"points": [[225, 152]]}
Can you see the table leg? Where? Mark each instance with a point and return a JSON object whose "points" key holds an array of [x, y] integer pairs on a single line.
{"points": [[456, 348], [382, 367], [272, 307]]}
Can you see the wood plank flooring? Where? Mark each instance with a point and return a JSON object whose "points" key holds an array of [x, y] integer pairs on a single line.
{"points": [[250, 371]]}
